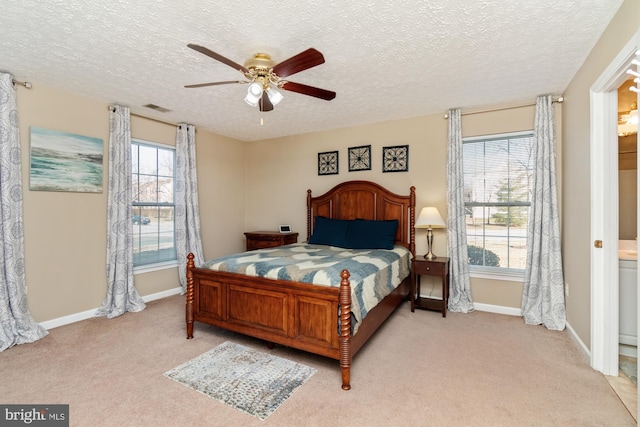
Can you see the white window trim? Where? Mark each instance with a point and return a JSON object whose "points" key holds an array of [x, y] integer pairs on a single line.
{"points": [[493, 273], [505, 135], [153, 144], [148, 268]]}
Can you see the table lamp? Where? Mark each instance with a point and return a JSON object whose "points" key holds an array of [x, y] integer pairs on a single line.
{"points": [[429, 218]]}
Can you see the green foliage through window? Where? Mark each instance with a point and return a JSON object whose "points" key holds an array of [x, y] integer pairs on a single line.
{"points": [[480, 256]]}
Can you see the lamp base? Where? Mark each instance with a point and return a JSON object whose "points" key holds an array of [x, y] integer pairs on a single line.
{"points": [[429, 254]]}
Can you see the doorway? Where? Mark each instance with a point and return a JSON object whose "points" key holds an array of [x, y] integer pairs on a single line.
{"points": [[605, 212]]}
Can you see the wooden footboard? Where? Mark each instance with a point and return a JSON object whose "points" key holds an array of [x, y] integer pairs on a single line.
{"points": [[296, 315]]}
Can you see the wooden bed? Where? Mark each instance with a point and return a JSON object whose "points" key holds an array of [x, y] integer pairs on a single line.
{"points": [[301, 315]]}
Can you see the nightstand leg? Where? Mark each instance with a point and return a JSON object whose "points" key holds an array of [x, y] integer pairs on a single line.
{"points": [[412, 293], [445, 293]]}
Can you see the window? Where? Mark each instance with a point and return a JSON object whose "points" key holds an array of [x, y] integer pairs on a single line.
{"points": [[497, 186], [153, 204]]}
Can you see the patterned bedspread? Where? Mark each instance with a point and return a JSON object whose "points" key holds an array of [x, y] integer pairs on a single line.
{"points": [[374, 272]]}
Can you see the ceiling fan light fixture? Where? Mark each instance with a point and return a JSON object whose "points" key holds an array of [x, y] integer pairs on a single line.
{"points": [[255, 89], [251, 100], [253, 94], [275, 96]]}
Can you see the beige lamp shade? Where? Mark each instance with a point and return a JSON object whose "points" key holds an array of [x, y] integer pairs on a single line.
{"points": [[430, 218]]}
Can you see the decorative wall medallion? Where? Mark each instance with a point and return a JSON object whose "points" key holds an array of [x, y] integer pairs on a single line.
{"points": [[328, 163], [360, 158], [395, 159]]}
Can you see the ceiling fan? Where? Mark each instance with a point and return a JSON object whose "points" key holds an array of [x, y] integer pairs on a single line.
{"points": [[265, 77]]}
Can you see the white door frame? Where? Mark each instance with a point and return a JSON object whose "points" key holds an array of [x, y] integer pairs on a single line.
{"points": [[604, 211]]}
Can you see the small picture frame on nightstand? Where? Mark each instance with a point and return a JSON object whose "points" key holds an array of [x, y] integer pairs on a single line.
{"points": [[285, 228]]}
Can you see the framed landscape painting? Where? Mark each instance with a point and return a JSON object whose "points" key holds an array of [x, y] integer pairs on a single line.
{"points": [[62, 161]]}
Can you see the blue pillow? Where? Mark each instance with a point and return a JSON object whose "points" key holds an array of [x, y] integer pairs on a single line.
{"points": [[327, 231], [368, 234]]}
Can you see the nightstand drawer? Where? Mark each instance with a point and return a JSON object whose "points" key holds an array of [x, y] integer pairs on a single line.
{"points": [[269, 239], [429, 268], [262, 244]]}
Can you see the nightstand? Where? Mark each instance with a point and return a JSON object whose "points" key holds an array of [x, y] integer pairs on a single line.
{"points": [[420, 266], [269, 239]]}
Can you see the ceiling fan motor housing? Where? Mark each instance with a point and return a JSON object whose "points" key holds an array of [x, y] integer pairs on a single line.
{"points": [[261, 63]]}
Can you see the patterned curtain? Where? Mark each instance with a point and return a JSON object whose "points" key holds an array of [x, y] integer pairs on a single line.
{"points": [[188, 237], [121, 293], [16, 324], [460, 287], [543, 296]]}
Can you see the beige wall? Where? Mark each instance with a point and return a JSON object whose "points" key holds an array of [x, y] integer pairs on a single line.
{"points": [[65, 233], [280, 171], [576, 202]]}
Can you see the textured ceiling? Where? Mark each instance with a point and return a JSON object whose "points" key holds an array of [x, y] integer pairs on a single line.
{"points": [[385, 60]]}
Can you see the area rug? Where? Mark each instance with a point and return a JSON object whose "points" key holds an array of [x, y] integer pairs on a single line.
{"points": [[251, 381]]}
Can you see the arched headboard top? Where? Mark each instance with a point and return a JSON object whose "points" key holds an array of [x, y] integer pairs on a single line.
{"points": [[366, 200]]}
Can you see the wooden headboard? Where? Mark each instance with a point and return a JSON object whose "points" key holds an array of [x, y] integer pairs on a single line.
{"points": [[366, 200]]}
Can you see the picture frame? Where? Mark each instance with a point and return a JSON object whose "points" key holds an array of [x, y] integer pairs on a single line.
{"points": [[395, 158], [63, 161], [328, 163], [360, 158]]}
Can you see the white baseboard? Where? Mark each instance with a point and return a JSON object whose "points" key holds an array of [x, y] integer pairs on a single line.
{"points": [[628, 340], [578, 341], [72, 318], [65, 320], [163, 294], [498, 309]]}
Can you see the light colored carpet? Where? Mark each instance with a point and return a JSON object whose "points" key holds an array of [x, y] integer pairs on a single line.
{"points": [[419, 369], [251, 381]]}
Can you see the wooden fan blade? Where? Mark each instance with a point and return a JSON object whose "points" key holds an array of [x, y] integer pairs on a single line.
{"points": [[300, 62], [327, 95], [265, 103], [218, 57], [215, 83]]}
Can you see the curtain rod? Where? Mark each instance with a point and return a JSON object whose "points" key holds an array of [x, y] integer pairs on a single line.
{"points": [[18, 82], [148, 118], [559, 100], [154, 120]]}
